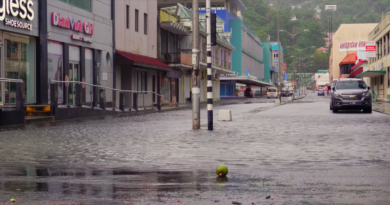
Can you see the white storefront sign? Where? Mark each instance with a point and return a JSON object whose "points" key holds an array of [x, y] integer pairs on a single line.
{"points": [[352, 46], [370, 49], [22, 9]]}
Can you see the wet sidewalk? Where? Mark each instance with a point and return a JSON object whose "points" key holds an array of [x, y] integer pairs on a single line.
{"points": [[382, 107]]}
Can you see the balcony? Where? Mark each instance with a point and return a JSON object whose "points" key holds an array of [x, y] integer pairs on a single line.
{"points": [[167, 17], [177, 58], [216, 62]]}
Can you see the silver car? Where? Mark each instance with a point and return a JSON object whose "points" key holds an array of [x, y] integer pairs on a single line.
{"points": [[272, 93]]}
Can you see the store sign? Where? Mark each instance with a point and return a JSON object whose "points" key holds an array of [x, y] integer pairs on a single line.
{"points": [[71, 24], [22, 9], [81, 38], [352, 46], [371, 49], [174, 74]]}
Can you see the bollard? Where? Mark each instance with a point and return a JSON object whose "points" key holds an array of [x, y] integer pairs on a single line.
{"points": [[121, 102], [159, 103], [135, 101], [78, 95], [20, 102], [101, 99], [53, 99]]}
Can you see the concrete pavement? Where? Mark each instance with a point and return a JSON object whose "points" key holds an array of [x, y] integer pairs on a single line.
{"points": [[298, 153]]}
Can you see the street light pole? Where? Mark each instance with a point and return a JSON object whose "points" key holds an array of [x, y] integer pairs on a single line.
{"points": [[195, 68], [279, 55]]}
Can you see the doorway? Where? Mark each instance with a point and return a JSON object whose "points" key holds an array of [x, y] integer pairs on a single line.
{"points": [[73, 76]]}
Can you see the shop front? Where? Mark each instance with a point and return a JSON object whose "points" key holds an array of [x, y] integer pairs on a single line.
{"points": [[18, 40], [80, 49]]}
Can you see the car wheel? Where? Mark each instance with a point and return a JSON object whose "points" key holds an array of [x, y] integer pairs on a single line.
{"points": [[367, 110], [330, 106], [335, 110]]}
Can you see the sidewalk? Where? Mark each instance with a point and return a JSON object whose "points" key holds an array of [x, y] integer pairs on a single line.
{"points": [[382, 107]]}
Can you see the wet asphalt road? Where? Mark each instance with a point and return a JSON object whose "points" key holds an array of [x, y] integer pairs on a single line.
{"points": [[299, 153]]}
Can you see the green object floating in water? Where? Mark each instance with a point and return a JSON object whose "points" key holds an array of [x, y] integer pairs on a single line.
{"points": [[222, 171]]}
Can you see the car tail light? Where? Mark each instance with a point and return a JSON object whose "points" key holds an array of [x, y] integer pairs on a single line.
{"points": [[267, 93], [276, 93]]}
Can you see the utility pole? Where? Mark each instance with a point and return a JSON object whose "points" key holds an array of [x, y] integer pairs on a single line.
{"points": [[294, 68], [279, 56], [209, 70], [195, 68]]}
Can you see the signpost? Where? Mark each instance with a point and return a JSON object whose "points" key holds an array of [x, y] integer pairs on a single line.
{"points": [[370, 49]]}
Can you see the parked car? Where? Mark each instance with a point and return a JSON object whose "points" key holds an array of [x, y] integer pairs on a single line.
{"points": [[272, 93], [351, 94], [321, 92], [286, 93]]}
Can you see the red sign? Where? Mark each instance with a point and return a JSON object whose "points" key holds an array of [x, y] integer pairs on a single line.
{"points": [[370, 48], [294, 83], [70, 23]]}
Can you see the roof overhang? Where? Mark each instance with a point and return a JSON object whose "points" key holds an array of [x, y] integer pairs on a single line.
{"points": [[218, 69], [372, 73], [246, 80], [174, 27]]}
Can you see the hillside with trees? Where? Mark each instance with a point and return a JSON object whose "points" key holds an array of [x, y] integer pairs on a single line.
{"points": [[261, 18]]}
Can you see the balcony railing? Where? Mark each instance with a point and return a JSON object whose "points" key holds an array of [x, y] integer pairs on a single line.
{"points": [[176, 58]]}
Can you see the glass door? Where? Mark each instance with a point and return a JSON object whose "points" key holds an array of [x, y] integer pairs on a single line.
{"points": [[73, 76]]}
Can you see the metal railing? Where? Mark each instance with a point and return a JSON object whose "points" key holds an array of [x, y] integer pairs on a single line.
{"points": [[86, 94], [11, 86]]}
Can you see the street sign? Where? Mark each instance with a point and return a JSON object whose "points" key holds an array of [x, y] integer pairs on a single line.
{"points": [[370, 49], [331, 7], [67, 80], [294, 83]]}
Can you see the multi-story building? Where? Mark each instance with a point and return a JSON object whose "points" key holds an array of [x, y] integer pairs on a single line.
{"points": [[275, 61], [176, 48], [348, 41], [136, 64], [379, 67]]}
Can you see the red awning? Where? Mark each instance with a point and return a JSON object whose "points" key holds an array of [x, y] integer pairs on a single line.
{"points": [[144, 61], [349, 59], [344, 76], [356, 72], [359, 64]]}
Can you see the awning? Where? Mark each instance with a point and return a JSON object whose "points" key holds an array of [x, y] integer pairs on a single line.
{"points": [[372, 73], [246, 80], [344, 76], [356, 72], [123, 57], [349, 59], [174, 27]]}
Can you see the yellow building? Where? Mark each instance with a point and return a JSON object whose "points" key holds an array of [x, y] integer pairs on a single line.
{"points": [[379, 67], [346, 33]]}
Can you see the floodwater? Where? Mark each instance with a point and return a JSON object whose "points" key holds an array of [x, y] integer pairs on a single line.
{"points": [[299, 153]]}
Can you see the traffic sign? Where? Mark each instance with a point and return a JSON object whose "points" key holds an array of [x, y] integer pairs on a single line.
{"points": [[370, 49]]}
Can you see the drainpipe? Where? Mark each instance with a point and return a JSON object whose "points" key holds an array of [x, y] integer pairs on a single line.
{"points": [[113, 49]]}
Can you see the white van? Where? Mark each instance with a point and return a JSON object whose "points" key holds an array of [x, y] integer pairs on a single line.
{"points": [[272, 92]]}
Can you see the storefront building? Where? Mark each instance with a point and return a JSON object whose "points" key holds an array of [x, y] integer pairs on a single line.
{"points": [[379, 67], [80, 48], [44, 40], [348, 39], [18, 49]]}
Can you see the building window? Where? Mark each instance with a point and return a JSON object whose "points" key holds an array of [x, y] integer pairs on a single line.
{"points": [[388, 76], [142, 81], [82, 4], [127, 16], [136, 20], [19, 63], [145, 24]]}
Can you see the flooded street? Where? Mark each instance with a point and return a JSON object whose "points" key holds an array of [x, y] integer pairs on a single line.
{"points": [[299, 153]]}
